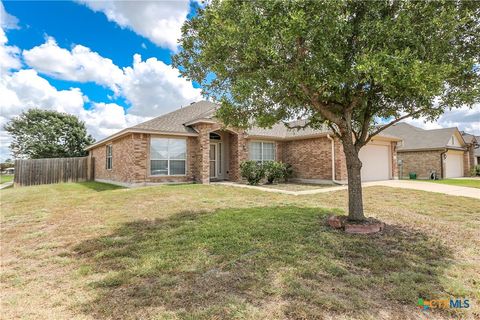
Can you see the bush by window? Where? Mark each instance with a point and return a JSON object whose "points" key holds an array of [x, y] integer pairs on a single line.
{"points": [[262, 151]]}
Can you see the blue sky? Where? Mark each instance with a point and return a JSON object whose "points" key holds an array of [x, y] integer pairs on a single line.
{"points": [[71, 23], [107, 62]]}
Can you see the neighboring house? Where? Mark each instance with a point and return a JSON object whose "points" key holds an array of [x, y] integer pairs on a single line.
{"points": [[440, 151], [474, 148], [189, 144], [9, 170]]}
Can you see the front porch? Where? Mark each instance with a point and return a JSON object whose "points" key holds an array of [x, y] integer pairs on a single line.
{"points": [[220, 153]]}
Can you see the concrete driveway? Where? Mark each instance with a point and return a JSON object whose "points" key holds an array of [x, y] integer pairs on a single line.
{"points": [[404, 184], [428, 186]]}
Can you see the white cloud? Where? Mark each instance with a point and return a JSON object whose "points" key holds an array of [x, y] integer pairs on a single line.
{"points": [[7, 21], [25, 89], [154, 88], [80, 64], [105, 119], [159, 21], [9, 55], [466, 119]]}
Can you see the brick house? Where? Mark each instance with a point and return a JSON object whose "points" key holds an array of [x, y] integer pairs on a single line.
{"points": [[444, 152], [474, 147], [190, 145]]}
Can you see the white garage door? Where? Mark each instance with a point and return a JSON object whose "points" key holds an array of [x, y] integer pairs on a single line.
{"points": [[375, 162], [454, 165]]}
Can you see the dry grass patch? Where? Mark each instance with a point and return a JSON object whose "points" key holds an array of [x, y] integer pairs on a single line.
{"points": [[90, 251]]}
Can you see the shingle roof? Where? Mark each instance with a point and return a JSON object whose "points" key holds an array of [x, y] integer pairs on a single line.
{"points": [[416, 138], [470, 138], [174, 121], [177, 122], [280, 130]]}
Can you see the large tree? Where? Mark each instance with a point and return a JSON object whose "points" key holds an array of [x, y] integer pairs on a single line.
{"points": [[357, 66], [40, 133]]}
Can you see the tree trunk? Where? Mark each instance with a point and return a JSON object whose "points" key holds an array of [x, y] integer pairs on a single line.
{"points": [[354, 165]]}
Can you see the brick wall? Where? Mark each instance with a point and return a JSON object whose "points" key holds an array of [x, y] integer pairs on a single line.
{"points": [[130, 161], [394, 165], [238, 154], [310, 158], [122, 160], [468, 161], [420, 162]]}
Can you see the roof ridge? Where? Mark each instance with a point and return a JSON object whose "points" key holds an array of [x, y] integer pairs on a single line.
{"points": [[168, 113]]}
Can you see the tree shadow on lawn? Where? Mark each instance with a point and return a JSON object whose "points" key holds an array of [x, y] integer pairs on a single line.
{"points": [[258, 263], [99, 186]]}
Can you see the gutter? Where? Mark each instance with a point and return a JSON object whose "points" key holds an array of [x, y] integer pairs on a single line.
{"points": [[333, 161]]}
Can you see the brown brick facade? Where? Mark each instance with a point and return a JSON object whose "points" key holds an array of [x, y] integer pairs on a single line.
{"points": [[420, 162], [469, 161], [310, 158], [123, 160]]}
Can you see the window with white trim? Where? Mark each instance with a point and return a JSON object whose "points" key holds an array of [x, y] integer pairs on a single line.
{"points": [[109, 157], [262, 151], [168, 157]]}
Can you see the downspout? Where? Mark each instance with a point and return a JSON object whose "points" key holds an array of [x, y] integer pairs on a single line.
{"points": [[441, 162], [333, 161]]}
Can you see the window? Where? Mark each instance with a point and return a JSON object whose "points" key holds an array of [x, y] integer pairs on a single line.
{"points": [[108, 162], [262, 151], [215, 136], [168, 157]]}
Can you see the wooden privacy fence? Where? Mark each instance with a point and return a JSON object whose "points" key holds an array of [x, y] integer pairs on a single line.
{"points": [[54, 170]]}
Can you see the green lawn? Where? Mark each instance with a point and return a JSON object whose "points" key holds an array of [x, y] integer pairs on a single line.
{"points": [[6, 178], [472, 183], [93, 251]]}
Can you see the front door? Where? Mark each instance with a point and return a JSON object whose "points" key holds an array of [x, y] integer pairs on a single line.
{"points": [[213, 160]]}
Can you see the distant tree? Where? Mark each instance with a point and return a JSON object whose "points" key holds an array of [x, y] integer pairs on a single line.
{"points": [[8, 163], [357, 66], [40, 133]]}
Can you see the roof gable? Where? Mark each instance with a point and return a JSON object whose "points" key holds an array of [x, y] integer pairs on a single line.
{"points": [[415, 138]]}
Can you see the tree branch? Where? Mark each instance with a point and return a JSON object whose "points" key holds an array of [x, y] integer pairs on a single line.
{"points": [[391, 124]]}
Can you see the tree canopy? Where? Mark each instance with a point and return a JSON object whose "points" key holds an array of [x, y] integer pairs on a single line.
{"points": [[40, 133], [358, 66]]}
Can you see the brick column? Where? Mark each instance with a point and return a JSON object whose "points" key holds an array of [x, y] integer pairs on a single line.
{"points": [[467, 161], [238, 154], [203, 159], [394, 160]]}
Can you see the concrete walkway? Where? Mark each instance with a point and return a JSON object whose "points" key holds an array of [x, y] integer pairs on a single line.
{"points": [[5, 185], [428, 186], [294, 193], [404, 184]]}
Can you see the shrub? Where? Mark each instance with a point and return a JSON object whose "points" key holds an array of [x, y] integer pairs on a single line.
{"points": [[287, 171], [476, 170], [274, 171], [252, 171]]}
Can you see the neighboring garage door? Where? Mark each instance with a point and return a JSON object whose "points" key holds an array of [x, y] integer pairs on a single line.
{"points": [[454, 165], [375, 162]]}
